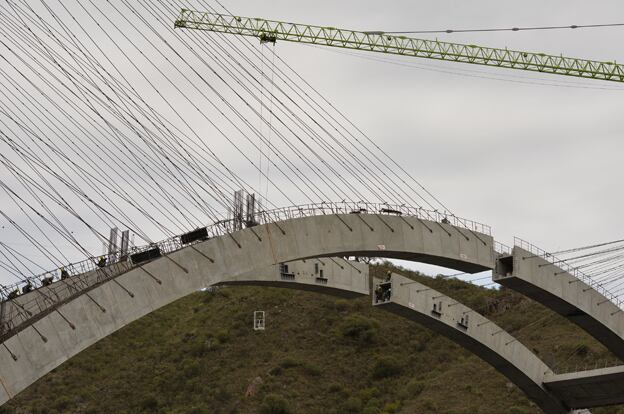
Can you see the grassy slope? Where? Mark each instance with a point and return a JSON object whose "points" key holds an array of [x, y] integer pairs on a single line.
{"points": [[319, 354]]}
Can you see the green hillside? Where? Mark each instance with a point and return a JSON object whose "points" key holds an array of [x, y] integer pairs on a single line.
{"points": [[319, 354]]}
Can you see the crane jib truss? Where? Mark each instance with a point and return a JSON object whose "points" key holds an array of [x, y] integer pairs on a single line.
{"points": [[272, 31]]}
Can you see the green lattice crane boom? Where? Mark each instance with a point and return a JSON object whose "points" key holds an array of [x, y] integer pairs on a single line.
{"points": [[272, 31]]}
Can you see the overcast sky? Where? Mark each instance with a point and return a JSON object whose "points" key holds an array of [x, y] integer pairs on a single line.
{"points": [[532, 155], [540, 162], [543, 163]]}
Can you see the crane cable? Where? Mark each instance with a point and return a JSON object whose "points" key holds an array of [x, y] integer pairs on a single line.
{"points": [[502, 29]]}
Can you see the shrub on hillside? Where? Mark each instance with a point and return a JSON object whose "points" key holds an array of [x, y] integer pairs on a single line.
{"points": [[360, 329], [222, 336], [289, 363], [386, 367], [352, 405], [274, 404], [149, 403], [391, 407], [412, 390]]}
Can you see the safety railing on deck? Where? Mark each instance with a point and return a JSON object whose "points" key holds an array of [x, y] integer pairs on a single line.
{"points": [[502, 248], [563, 265], [76, 277], [587, 366]]}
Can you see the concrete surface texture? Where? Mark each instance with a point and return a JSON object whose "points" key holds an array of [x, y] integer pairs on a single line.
{"points": [[562, 292], [68, 329], [476, 333]]}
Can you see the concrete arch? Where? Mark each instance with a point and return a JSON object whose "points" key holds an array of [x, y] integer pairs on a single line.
{"points": [[476, 333], [562, 292], [45, 341]]}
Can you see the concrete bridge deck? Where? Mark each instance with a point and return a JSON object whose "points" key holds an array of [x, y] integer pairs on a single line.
{"points": [[562, 292], [595, 388]]}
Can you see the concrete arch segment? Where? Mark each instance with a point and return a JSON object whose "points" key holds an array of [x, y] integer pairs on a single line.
{"points": [[560, 291], [83, 321], [79, 321], [479, 335], [373, 235], [330, 235], [330, 276]]}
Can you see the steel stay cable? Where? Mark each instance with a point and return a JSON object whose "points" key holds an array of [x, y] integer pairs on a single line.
{"points": [[210, 121], [231, 173], [227, 40], [17, 253], [305, 128], [314, 168], [217, 49], [73, 186], [330, 150], [193, 198], [151, 109], [201, 113], [69, 163], [259, 114], [73, 81], [323, 177], [355, 127], [420, 185], [63, 232]]}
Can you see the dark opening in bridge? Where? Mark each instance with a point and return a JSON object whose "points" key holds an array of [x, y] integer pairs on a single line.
{"points": [[504, 266]]}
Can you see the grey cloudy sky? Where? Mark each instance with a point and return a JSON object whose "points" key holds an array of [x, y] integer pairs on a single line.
{"points": [[540, 162], [532, 155]]}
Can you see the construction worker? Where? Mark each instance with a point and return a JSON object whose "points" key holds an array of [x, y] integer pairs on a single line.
{"points": [[64, 274], [387, 292], [13, 294], [378, 294], [101, 262], [386, 287], [46, 281]]}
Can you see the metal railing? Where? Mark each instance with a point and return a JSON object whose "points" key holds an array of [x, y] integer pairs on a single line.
{"points": [[502, 248], [588, 366], [86, 274], [575, 272], [319, 209]]}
